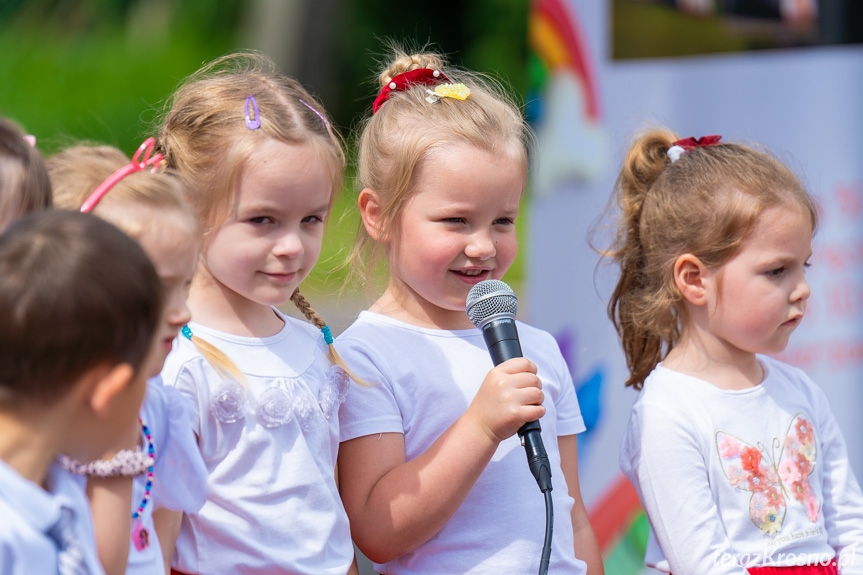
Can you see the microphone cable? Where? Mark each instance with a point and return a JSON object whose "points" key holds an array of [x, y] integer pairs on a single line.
{"points": [[549, 528], [491, 307]]}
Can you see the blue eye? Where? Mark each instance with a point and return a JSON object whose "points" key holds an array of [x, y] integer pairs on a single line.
{"points": [[504, 221]]}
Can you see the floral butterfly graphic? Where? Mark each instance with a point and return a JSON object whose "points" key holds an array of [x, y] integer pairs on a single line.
{"points": [[754, 469]]}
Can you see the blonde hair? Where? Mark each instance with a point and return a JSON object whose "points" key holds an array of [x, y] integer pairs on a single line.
{"points": [[705, 203], [24, 184], [136, 203], [204, 137], [396, 140], [140, 202]]}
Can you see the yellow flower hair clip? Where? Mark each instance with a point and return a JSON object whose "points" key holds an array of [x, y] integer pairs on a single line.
{"points": [[457, 91]]}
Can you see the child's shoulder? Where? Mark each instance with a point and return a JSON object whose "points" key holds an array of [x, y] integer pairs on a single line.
{"points": [[373, 327], [778, 368], [164, 406], [28, 508], [789, 378], [182, 357], [373, 322], [529, 333]]}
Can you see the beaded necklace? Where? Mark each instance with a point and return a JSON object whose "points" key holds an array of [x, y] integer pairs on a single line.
{"points": [[140, 535]]}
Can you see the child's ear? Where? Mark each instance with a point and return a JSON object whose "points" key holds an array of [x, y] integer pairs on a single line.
{"points": [[689, 276], [370, 210], [107, 385]]}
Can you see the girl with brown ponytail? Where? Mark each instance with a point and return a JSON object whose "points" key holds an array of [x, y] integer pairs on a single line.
{"points": [[735, 455]]}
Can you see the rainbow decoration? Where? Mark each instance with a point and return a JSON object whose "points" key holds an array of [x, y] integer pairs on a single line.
{"points": [[554, 39], [563, 99], [621, 528]]}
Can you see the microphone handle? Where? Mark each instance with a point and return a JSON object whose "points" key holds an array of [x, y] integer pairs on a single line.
{"points": [[501, 337]]}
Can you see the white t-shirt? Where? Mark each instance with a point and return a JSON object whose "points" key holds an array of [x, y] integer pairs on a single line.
{"points": [[180, 481], [743, 478], [273, 505], [424, 379], [28, 513]]}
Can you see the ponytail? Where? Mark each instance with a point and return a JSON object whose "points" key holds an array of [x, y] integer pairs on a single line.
{"points": [[704, 202], [642, 307]]}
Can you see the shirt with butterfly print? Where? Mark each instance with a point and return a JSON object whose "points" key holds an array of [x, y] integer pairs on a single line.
{"points": [[743, 478]]}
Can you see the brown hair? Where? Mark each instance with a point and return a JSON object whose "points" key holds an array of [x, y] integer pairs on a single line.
{"points": [[204, 137], [75, 292], [396, 140], [706, 204], [24, 185]]}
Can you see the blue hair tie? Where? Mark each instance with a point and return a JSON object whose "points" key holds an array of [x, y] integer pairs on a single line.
{"points": [[186, 332], [328, 335]]}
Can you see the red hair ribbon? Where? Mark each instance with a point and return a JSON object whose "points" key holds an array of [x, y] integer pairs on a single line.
{"points": [[702, 142], [422, 76]]}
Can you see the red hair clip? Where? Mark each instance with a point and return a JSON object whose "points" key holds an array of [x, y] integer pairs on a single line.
{"points": [[421, 76], [686, 144], [702, 142], [137, 165]]}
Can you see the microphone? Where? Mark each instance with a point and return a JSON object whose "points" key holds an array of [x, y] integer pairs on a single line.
{"points": [[491, 307]]}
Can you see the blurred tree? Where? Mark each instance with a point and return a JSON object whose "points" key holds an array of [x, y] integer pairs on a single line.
{"points": [[89, 68], [100, 70], [484, 35]]}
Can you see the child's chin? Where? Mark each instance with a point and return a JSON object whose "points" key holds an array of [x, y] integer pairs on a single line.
{"points": [[156, 362]]}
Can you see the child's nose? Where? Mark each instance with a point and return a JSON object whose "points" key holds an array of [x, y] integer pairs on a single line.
{"points": [[481, 245], [177, 311], [288, 244], [801, 291]]}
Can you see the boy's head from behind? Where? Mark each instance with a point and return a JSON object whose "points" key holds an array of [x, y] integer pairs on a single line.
{"points": [[78, 300]]}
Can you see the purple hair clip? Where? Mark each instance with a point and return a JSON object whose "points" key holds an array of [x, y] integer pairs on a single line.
{"points": [[252, 123], [321, 116]]}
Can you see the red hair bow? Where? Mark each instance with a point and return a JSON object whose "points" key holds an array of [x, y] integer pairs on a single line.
{"points": [[702, 142], [422, 76]]}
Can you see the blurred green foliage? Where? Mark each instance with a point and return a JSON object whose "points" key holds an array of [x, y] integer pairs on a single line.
{"points": [[659, 30], [100, 70]]}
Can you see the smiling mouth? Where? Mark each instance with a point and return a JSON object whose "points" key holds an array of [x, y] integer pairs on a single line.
{"points": [[473, 274]]}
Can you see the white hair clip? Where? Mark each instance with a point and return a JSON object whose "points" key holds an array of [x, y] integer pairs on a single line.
{"points": [[677, 148], [674, 153]]}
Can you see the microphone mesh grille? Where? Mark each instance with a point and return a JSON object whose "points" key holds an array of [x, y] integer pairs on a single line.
{"points": [[490, 298]]}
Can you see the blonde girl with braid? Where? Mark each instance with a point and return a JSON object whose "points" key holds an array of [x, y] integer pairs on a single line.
{"points": [[260, 163]]}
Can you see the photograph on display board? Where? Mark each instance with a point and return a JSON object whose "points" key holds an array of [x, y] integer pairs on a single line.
{"points": [[672, 28]]}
